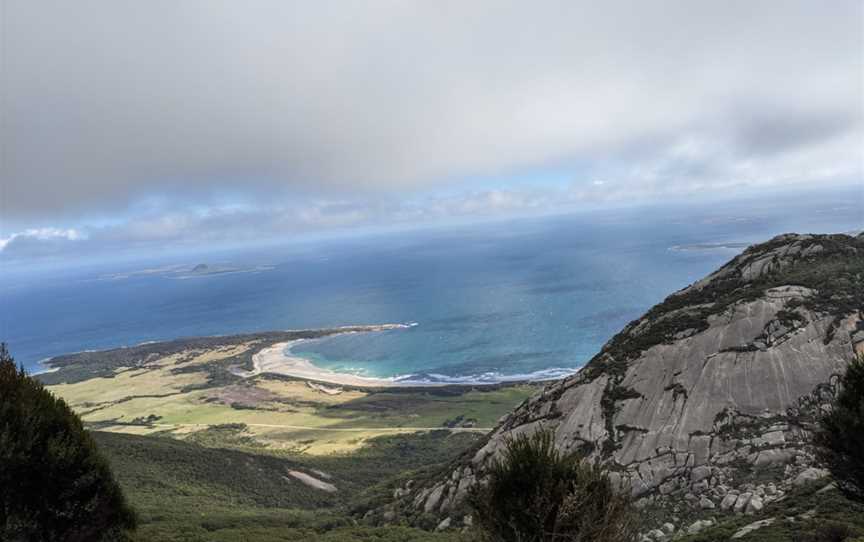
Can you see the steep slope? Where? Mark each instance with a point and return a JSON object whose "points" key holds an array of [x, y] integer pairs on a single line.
{"points": [[705, 404], [185, 491]]}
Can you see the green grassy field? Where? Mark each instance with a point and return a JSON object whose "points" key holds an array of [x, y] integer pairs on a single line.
{"points": [[185, 392], [205, 454]]}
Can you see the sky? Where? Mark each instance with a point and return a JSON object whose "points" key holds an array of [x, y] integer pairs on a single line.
{"points": [[141, 124]]}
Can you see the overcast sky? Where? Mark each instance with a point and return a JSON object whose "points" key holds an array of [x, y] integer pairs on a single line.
{"points": [[141, 122]]}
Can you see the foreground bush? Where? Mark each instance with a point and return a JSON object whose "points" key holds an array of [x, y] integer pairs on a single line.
{"points": [[841, 435], [54, 485], [535, 493]]}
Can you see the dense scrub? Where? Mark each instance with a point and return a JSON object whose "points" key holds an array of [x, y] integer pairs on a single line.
{"points": [[841, 435], [534, 493], [54, 484], [185, 491]]}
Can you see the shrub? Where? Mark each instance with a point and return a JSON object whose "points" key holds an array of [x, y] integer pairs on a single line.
{"points": [[841, 436], [829, 532], [535, 493], [54, 485]]}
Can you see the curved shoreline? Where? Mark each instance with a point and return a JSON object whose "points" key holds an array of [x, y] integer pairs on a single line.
{"points": [[274, 357], [279, 359], [274, 360]]}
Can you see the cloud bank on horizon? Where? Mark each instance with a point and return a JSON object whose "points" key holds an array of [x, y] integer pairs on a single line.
{"points": [[137, 122]]}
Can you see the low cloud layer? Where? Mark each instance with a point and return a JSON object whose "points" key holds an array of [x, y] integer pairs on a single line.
{"points": [[184, 227], [106, 103]]}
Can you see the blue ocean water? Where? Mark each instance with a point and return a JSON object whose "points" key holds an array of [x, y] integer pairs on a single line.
{"points": [[498, 300]]}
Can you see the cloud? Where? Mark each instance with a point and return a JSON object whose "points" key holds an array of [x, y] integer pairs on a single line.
{"points": [[106, 103], [239, 225], [39, 241], [232, 224]]}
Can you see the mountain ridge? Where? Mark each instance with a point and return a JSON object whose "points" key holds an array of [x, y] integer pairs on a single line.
{"points": [[705, 404]]}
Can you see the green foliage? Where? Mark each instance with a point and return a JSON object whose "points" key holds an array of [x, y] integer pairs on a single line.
{"points": [[185, 491], [54, 484], [828, 532], [612, 395], [841, 435], [535, 493], [806, 514]]}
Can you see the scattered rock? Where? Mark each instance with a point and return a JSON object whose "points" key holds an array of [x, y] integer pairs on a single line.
{"points": [[756, 525], [755, 505], [699, 526], [706, 504], [700, 473], [809, 475], [434, 497], [827, 488], [445, 523], [728, 501], [741, 502], [656, 534]]}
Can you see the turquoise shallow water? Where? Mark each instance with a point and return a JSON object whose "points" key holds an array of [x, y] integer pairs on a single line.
{"points": [[524, 298]]}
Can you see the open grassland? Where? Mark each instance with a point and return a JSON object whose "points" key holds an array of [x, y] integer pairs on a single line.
{"points": [[188, 391], [205, 454]]}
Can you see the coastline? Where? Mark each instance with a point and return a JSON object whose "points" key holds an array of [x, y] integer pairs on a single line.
{"points": [[279, 359], [276, 359]]}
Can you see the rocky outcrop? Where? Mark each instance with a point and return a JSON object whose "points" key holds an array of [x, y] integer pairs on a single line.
{"points": [[705, 405]]}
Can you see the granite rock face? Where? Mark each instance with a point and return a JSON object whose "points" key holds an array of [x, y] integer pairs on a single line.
{"points": [[707, 402]]}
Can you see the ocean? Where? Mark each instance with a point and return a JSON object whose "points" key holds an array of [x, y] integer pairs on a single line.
{"points": [[498, 300]]}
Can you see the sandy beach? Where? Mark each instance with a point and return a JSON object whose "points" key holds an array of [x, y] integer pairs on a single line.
{"points": [[275, 360], [278, 359]]}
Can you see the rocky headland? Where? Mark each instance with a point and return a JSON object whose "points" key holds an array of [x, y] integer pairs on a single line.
{"points": [[704, 406]]}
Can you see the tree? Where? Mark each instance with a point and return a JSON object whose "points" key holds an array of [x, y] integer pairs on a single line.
{"points": [[54, 484], [840, 439], [534, 493]]}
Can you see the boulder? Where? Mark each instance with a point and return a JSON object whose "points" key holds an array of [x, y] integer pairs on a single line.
{"points": [[741, 502], [755, 505], [728, 501], [756, 525], [809, 475], [706, 504], [699, 526]]}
